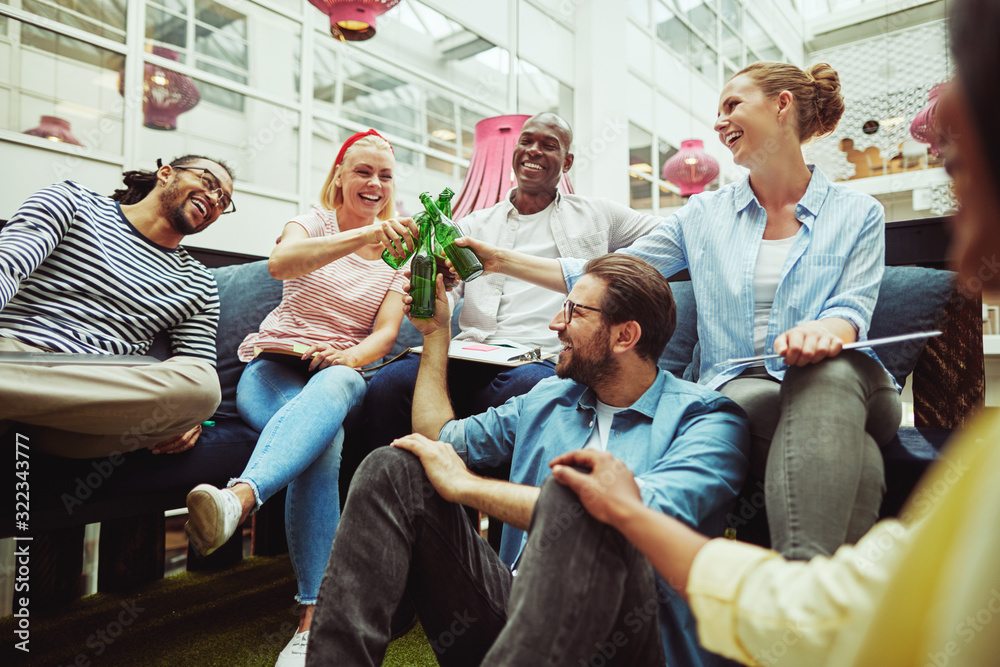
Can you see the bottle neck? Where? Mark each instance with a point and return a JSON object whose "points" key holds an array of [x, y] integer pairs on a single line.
{"points": [[444, 205], [426, 232]]}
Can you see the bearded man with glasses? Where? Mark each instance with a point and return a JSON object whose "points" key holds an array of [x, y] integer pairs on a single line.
{"points": [[582, 594], [83, 273]]}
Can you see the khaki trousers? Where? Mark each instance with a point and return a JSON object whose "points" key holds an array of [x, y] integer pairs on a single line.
{"points": [[84, 411]]}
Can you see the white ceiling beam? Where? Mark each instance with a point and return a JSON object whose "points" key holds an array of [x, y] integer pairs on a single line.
{"points": [[867, 11]]}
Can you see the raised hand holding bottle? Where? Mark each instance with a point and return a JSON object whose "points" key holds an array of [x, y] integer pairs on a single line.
{"points": [[446, 231], [398, 262]]}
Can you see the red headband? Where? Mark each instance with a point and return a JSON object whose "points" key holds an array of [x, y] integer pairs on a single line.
{"points": [[353, 138]]}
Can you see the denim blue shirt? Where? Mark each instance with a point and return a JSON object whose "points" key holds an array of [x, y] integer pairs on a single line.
{"points": [[833, 268], [686, 444]]}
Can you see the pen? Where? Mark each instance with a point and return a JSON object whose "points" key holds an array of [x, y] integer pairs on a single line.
{"points": [[530, 355]]}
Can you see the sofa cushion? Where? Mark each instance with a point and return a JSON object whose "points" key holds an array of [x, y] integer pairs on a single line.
{"points": [[680, 350], [910, 299], [896, 312], [247, 293]]}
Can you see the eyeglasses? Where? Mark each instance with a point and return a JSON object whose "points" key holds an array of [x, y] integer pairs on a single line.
{"points": [[570, 306], [211, 183]]}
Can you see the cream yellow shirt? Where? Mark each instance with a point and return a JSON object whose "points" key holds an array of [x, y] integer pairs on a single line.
{"points": [[922, 591]]}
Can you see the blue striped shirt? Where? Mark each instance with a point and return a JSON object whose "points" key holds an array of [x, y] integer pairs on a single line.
{"points": [[833, 269], [76, 276]]}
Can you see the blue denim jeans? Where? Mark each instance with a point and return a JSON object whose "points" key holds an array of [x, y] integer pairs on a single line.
{"points": [[474, 388], [300, 417]]}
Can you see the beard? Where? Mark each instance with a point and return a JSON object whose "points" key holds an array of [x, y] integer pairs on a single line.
{"points": [[591, 364], [172, 204]]}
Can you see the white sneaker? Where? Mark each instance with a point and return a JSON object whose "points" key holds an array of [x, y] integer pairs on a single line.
{"points": [[294, 653], [213, 515]]}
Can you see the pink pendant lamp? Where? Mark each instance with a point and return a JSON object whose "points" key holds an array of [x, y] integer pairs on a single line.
{"points": [[166, 94], [54, 129], [691, 168], [490, 175], [924, 127], [353, 20]]}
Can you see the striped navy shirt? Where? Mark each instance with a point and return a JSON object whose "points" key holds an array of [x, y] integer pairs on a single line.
{"points": [[76, 276], [833, 269]]}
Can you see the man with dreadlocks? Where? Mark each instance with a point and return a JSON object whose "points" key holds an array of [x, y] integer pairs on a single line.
{"points": [[85, 273]]}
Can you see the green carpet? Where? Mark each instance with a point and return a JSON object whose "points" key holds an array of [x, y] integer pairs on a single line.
{"points": [[241, 616]]}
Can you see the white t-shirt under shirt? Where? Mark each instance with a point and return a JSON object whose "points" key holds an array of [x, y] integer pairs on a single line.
{"points": [[336, 304], [525, 311], [770, 261], [599, 436]]}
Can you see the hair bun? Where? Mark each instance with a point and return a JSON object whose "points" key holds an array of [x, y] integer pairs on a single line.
{"points": [[829, 101], [819, 104]]}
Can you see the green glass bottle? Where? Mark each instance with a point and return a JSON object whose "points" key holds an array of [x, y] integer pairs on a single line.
{"points": [[398, 262], [444, 202], [466, 264], [423, 273], [444, 206]]}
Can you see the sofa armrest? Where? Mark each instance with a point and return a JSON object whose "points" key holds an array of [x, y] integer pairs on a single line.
{"points": [[949, 381]]}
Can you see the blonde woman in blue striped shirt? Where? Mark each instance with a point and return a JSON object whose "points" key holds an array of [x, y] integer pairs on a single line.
{"points": [[784, 261]]}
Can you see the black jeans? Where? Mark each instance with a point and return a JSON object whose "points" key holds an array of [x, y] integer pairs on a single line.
{"points": [[572, 601]]}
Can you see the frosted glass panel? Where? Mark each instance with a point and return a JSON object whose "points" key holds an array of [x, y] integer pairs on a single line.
{"points": [[67, 79]]}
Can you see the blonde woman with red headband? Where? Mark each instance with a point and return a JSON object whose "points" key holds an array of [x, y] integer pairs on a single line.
{"points": [[343, 304]]}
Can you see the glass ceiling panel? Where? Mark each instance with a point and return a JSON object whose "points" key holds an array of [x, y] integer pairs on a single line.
{"points": [[423, 19], [703, 19], [105, 18], [733, 13], [837, 5], [639, 10], [816, 8], [760, 41]]}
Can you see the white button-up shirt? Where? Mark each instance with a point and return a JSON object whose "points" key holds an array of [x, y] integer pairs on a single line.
{"points": [[583, 227]]}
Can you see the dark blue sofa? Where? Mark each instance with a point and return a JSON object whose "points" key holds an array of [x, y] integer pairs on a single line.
{"points": [[128, 494]]}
